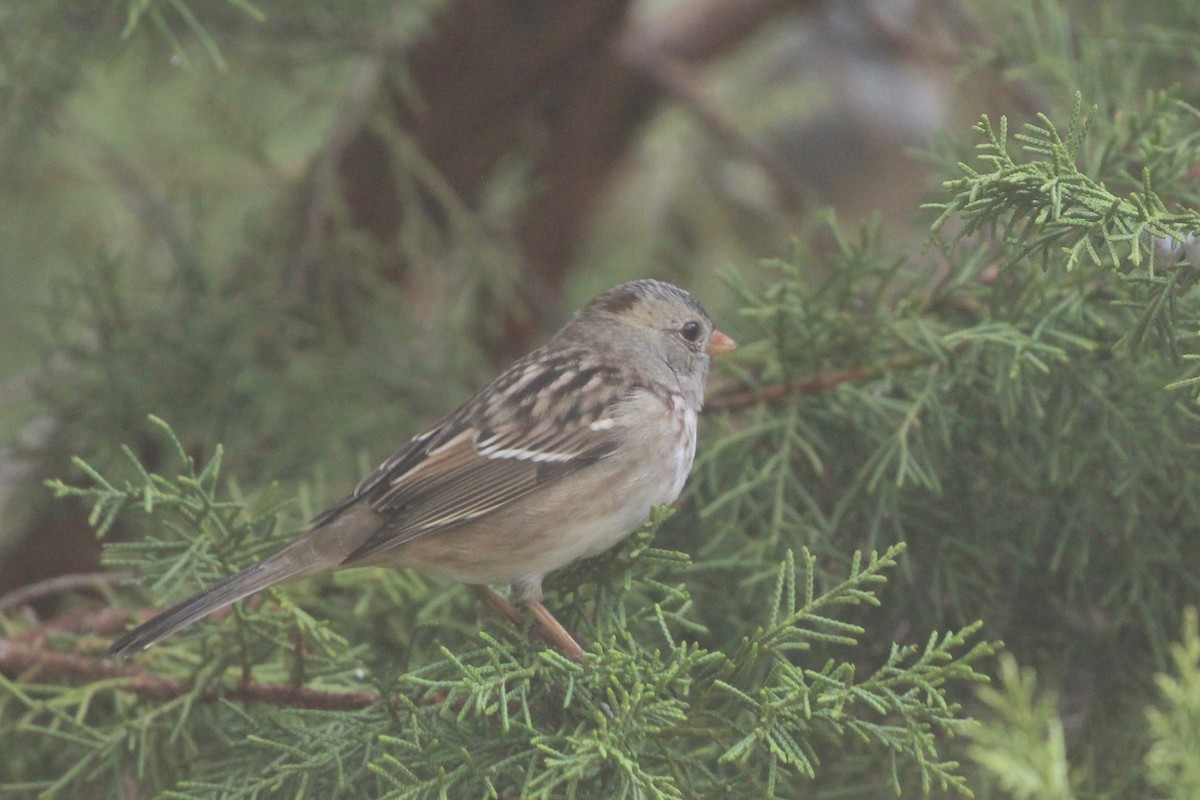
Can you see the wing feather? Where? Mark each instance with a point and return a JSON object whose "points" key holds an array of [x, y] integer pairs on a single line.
{"points": [[493, 451]]}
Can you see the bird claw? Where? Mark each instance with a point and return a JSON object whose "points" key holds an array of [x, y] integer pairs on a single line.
{"points": [[549, 629]]}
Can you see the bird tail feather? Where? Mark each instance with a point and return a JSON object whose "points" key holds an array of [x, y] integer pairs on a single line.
{"points": [[252, 579], [321, 549]]}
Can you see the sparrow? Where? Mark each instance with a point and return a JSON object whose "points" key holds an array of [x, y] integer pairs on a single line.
{"points": [[559, 458]]}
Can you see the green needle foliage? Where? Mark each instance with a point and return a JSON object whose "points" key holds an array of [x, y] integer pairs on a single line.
{"points": [[997, 417], [991, 415], [489, 714], [1017, 405], [1048, 209], [1175, 719], [913, 456]]}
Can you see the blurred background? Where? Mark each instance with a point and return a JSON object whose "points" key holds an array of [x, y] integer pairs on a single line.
{"points": [[304, 228]]}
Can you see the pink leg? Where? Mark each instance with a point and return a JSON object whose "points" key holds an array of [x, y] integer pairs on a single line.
{"points": [[551, 630], [497, 603], [556, 633]]}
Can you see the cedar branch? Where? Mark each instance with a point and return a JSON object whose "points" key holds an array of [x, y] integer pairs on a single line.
{"points": [[57, 585], [812, 384], [27, 660]]}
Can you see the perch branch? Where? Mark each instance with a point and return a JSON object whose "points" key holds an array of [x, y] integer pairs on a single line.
{"points": [[677, 80], [25, 659], [811, 384], [58, 584]]}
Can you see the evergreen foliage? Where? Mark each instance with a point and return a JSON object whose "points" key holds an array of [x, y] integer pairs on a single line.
{"points": [[912, 457], [651, 714], [1175, 719]]}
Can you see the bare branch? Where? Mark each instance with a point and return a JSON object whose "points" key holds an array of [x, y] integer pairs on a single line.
{"points": [[57, 585], [703, 31], [813, 384], [19, 659], [677, 80]]}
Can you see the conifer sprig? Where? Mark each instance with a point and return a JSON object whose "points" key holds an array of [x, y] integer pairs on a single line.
{"points": [[658, 710]]}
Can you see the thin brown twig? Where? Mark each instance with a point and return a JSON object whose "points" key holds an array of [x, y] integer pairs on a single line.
{"points": [[26, 655], [352, 115], [666, 51], [678, 80], [24, 659], [58, 584], [148, 204], [79, 620], [703, 31], [811, 384]]}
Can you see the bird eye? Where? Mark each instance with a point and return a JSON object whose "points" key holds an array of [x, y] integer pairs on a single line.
{"points": [[690, 330]]}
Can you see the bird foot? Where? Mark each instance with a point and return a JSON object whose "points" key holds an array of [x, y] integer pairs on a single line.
{"points": [[549, 630]]}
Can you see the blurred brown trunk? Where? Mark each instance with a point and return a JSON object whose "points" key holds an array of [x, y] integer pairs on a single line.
{"points": [[543, 78], [564, 84], [567, 85]]}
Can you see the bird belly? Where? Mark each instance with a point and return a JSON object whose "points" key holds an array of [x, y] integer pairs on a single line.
{"points": [[536, 537], [509, 547]]}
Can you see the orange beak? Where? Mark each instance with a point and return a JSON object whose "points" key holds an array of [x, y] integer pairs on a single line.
{"points": [[719, 343]]}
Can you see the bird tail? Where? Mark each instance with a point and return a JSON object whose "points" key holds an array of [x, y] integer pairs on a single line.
{"points": [[253, 578], [321, 549]]}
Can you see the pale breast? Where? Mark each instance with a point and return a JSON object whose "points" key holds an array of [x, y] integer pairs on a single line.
{"points": [[653, 469], [585, 514], [685, 432]]}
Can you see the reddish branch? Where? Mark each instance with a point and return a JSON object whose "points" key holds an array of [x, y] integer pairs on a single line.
{"points": [[26, 657], [79, 620], [811, 384], [28, 662], [57, 585], [682, 84]]}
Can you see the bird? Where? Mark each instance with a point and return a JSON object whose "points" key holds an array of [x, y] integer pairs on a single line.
{"points": [[559, 458]]}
